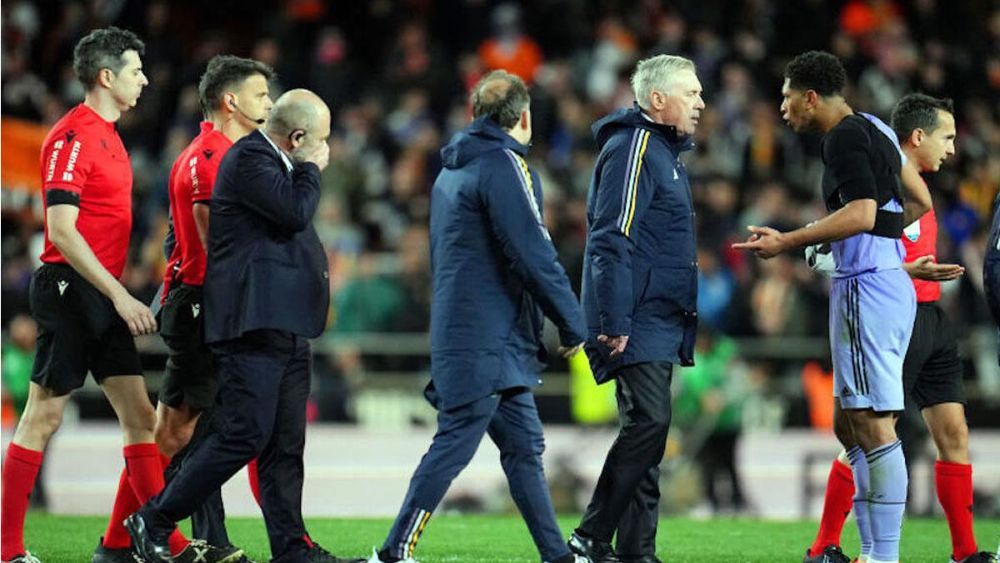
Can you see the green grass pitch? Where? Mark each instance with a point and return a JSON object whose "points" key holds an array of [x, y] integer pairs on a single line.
{"points": [[504, 539]]}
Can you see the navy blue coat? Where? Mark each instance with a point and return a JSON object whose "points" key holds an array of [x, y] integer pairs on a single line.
{"points": [[266, 267], [494, 271], [640, 272]]}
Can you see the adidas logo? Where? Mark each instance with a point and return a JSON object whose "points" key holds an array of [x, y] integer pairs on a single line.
{"points": [[62, 284], [195, 310], [846, 392]]}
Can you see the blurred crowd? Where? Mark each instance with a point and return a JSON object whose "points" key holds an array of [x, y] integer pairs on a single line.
{"points": [[396, 74]]}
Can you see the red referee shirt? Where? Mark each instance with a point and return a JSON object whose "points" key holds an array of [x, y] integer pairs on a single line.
{"points": [[920, 239], [84, 163], [191, 180]]}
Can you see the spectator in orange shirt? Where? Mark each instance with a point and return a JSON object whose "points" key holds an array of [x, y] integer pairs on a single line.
{"points": [[509, 49]]}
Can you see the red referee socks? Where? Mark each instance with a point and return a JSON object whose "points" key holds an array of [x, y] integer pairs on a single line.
{"points": [[837, 504], [116, 537], [141, 479], [953, 482], [20, 469], [145, 470]]}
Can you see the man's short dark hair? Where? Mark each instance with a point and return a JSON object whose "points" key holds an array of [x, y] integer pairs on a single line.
{"points": [[918, 111], [226, 72], [818, 71], [502, 97], [103, 48]]}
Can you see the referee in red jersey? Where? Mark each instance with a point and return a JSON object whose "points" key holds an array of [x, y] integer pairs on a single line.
{"points": [[235, 99], [86, 318]]}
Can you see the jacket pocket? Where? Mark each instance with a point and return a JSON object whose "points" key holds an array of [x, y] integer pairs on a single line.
{"points": [[641, 280], [671, 291]]}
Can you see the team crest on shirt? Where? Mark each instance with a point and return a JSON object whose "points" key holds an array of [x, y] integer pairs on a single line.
{"points": [[208, 153], [195, 310], [912, 232], [62, 285], [70, 135]]}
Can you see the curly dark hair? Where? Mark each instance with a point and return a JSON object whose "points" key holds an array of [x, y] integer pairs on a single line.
{"points": [[103, 48], [918, 111], [223, 73], [501, 96], [818, 71]]}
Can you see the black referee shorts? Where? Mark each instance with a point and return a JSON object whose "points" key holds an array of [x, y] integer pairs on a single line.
{"points": [[190, 374], [78, 331], [932, 370]]}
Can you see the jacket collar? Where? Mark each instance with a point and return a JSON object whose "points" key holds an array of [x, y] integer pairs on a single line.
{"points": [[280, 153], [669, 132], [634, 117], [486, 127]]}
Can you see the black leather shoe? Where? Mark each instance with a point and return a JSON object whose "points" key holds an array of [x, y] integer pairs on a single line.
{"points": [[152, 547], [113, 554], [317, 554], [596, 551]]}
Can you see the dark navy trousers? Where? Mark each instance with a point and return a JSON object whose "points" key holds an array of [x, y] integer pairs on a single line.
{"points": [[260, 412], [627, 495], [511, 419], [208, 522]]}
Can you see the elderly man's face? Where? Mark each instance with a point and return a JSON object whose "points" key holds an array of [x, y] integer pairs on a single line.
{"points": [[680, 103]]}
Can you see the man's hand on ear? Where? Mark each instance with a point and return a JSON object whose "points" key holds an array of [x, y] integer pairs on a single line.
{"points": [[318, 154]]}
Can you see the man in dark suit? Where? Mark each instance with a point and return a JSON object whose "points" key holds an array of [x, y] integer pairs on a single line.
{"points": [[265, 293], [640, 281]]}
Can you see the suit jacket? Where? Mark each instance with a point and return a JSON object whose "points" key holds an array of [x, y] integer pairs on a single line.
{"points": [[640, 271], [266, 267], [495, 270]]}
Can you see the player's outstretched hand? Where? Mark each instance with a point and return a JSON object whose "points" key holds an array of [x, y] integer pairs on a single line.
{"points": [[616, 343], [136, 315], [765, 242], [925, 268]]}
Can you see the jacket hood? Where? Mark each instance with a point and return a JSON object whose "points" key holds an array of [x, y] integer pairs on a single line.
{"points": [[481, 136], [631, 117]]}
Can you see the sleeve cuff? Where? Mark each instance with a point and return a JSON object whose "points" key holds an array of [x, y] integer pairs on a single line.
{"points": [[615, 328]]}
